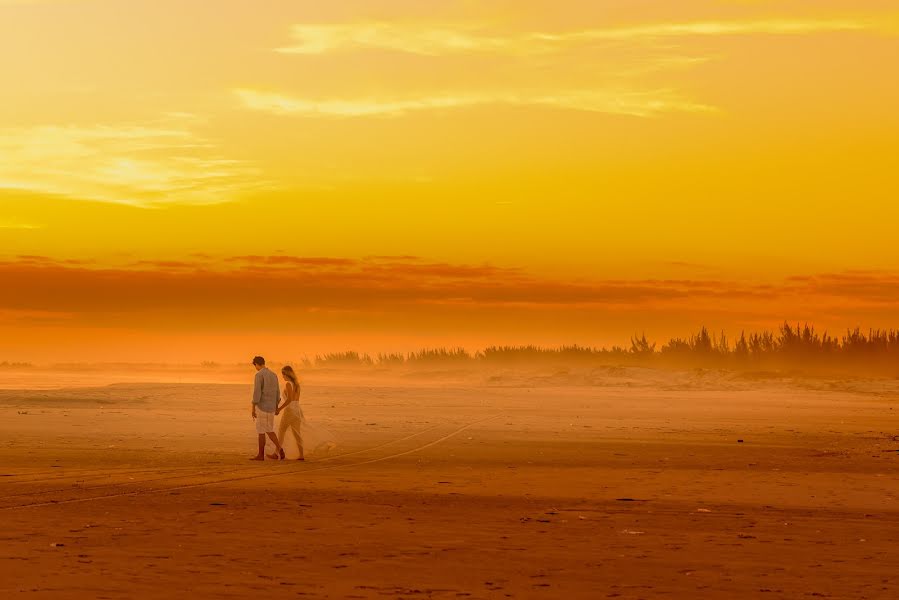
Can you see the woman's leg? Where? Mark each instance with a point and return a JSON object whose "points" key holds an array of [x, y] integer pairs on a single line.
{"points": [[295, 425], [298, 438]]}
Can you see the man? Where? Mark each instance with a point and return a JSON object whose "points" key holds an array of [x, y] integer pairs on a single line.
{"points": [[266, 396]]}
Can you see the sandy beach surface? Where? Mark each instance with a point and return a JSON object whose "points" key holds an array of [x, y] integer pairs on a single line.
{"points": [[617, 484]]}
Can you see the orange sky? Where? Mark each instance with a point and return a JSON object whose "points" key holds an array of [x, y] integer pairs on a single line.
{"points": [[415, 173]]}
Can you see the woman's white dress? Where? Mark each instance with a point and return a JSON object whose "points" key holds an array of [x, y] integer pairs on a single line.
{"points": [[312, 439], [292, 421]]}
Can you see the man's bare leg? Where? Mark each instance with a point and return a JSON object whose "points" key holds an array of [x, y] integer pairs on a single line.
{"points": [[261, 454], [278, 448], [276, 455]]}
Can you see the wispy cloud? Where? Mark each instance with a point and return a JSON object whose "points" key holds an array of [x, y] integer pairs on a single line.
{"points": [[399, 296], [613, 101], [617, 83], [337, 281], [142, 165], [35, 2], [417, 39], [16, 225], [317, 283], [720, 28], [430, 41]]}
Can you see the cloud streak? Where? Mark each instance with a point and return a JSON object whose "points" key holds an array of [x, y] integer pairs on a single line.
{"points": [[23, 2], [613, 101], [16, 225], [617, 81], [225, 305], [316, 39], [140, 165], [395, 284]]}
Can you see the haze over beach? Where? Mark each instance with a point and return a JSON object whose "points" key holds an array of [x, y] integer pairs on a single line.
{"points": [[588, 298]]}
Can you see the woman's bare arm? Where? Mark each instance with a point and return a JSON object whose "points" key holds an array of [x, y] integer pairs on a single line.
{"points": [[288, 396]]}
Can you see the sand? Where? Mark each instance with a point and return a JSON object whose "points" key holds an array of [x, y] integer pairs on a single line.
{"points": [[616, 484]]}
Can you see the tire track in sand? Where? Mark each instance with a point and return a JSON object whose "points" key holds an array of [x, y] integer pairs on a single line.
{"points": [[136, 493], [181, 472]]}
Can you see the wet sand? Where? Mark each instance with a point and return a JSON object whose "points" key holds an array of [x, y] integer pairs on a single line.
{"points": [[634, 486]]}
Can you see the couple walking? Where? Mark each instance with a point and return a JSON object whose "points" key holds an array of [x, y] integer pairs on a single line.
{"points": [[267, 404]]}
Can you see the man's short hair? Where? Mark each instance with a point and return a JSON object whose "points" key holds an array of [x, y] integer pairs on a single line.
{"points": [[259, 361]]}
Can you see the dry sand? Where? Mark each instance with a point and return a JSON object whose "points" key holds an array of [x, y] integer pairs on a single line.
{"points": [[615, 484]]}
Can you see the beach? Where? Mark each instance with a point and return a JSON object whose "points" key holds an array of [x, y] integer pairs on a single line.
{"points": [[617, 483]]}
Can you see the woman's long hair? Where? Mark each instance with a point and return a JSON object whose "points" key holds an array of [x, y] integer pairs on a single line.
{"points": [[291, 375]]}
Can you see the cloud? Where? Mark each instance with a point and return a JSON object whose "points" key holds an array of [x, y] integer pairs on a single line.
{"points": [[398, 285], [312, 39], [17, 225], [41, 283], [137, 164], [722, 28], [292, 261], [15, 2], [866, 286], [612, 101], [617, 81], [157, 309], [415, 39]]}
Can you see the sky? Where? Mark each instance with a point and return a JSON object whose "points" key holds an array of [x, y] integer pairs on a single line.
{"points": [[190, 180]]}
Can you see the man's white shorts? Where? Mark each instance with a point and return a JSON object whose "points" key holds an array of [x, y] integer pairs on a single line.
{"points": [[265, 421]]}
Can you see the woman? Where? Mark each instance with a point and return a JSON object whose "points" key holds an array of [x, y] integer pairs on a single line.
{"points": [[290, 411]]}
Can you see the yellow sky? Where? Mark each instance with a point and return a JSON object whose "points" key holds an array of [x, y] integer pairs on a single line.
{"points": [[726, 140]]}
